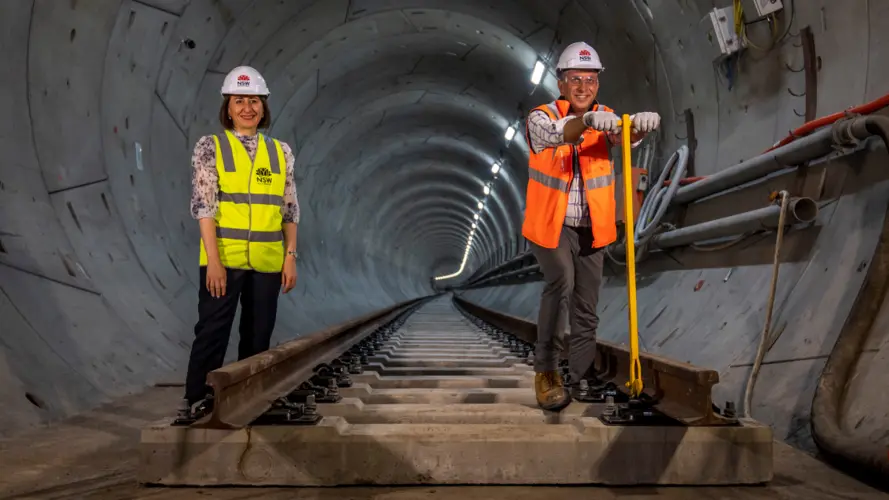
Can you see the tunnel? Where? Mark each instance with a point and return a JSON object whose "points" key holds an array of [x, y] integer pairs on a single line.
{"points": [[407, 122]]}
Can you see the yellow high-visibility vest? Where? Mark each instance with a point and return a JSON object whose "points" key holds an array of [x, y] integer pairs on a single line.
{"points": [[248, 221]]}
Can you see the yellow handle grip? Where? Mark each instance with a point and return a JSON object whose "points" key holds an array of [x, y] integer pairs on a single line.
{"points": [[635, 379]]}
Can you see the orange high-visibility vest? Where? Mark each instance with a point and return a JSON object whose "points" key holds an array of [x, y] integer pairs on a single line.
{"points": [[549, 176]]}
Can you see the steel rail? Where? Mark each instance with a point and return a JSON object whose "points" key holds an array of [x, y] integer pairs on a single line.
{"points": [[246, 389], [682, 391]]}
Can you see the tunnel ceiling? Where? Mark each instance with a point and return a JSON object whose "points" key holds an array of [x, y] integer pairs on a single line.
{"points": [[395, 110]]}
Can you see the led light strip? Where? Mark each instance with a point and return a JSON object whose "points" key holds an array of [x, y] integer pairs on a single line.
{"points": [[495, 169]]}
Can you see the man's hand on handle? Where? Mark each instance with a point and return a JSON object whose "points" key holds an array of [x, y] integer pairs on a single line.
{"points": [[603, 121], [645, 122], [288, 274], [606, 121]]}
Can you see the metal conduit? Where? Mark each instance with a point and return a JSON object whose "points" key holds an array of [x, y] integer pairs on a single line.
{"points": [[801, 210], [846, 132]]}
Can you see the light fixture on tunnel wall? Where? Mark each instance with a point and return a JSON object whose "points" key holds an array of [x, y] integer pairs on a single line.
{"points": [[537, 74], [510, 133], [495, 168], [469, 238], [139, 156]]}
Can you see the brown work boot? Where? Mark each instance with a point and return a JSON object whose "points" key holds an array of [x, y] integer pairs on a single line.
{"points": [[551, 394]]}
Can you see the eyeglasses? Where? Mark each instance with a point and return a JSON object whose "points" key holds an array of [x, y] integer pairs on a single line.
{"points": [[577, 81]]}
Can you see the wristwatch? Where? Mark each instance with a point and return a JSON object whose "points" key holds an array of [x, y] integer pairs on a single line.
{"points": [[292, 252]]}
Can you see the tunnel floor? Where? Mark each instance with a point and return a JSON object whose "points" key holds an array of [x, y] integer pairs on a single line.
{"points": [[95, 456]]}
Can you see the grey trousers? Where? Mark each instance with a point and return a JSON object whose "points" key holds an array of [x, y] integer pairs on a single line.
{"points": [[573, 276]]}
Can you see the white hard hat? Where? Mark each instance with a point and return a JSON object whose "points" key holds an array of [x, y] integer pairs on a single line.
{"points": [[244, 80], [579, 55]]}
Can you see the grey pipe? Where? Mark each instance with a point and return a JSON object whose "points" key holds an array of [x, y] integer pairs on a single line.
{"points": [[845, 132], [799, 151], [659, 199], [800, 210]]}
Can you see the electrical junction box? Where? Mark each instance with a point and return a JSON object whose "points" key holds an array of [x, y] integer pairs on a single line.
{"points": [[724, 30], [762, 8]]}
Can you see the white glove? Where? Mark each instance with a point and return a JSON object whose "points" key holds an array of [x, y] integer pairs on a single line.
{"points": [[603, 121], [645, 122]]}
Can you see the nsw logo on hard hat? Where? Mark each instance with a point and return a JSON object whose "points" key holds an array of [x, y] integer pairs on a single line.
{"points": [[585, 55], [243, 81]]}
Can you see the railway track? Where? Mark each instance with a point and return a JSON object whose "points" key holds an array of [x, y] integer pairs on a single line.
{"points": [[441, 392]]}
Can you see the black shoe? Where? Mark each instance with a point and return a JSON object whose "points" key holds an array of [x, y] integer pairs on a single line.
{"points": [[189, 412], [202, 408]]}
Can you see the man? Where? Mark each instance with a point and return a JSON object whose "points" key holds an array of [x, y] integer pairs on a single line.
{"points": [[570, 215]]}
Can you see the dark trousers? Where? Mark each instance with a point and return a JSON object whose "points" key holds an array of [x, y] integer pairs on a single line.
{"points": [[258, 295], [573, 276]]}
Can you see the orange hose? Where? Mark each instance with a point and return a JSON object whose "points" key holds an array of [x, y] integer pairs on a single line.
{"points": [[684, 181], [809, 127]]}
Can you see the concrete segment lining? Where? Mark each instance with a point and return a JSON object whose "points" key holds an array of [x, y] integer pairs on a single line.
{"points": [[64, 94]]}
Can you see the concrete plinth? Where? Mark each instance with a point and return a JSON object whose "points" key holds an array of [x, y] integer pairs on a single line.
{"points": [[336, 452], [419, 369], [439, 396], [432, 381], [442, 362]]}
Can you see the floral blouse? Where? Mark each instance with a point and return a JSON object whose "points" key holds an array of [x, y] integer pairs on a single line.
{"points": [[205, 178]]}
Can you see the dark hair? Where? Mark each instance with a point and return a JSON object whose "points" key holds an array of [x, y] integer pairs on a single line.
{"points": [[227, 122]]}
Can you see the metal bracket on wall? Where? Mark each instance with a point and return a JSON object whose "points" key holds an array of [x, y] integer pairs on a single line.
{"points": [[692, 141], [811, 67], [810, 59]]}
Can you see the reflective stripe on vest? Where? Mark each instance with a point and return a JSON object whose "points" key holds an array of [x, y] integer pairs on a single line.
{"points": [[248, 220], [549, 179], [246, 235]]}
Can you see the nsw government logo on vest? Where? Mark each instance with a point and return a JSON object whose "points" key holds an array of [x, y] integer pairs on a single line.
{"points": [[263, 176]]}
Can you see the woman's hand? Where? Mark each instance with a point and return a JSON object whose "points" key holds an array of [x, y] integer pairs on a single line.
{"points": [[216, 279], [288, 274]]}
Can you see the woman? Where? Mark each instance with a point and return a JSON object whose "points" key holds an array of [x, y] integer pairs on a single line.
{"points": [[247, 209]]}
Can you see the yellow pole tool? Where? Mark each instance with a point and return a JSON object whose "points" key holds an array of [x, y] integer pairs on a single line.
{"points": [[635, 381]]}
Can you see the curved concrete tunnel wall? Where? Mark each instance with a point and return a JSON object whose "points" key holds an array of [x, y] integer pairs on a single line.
{"points": [[718, 324], [395, 111]]}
